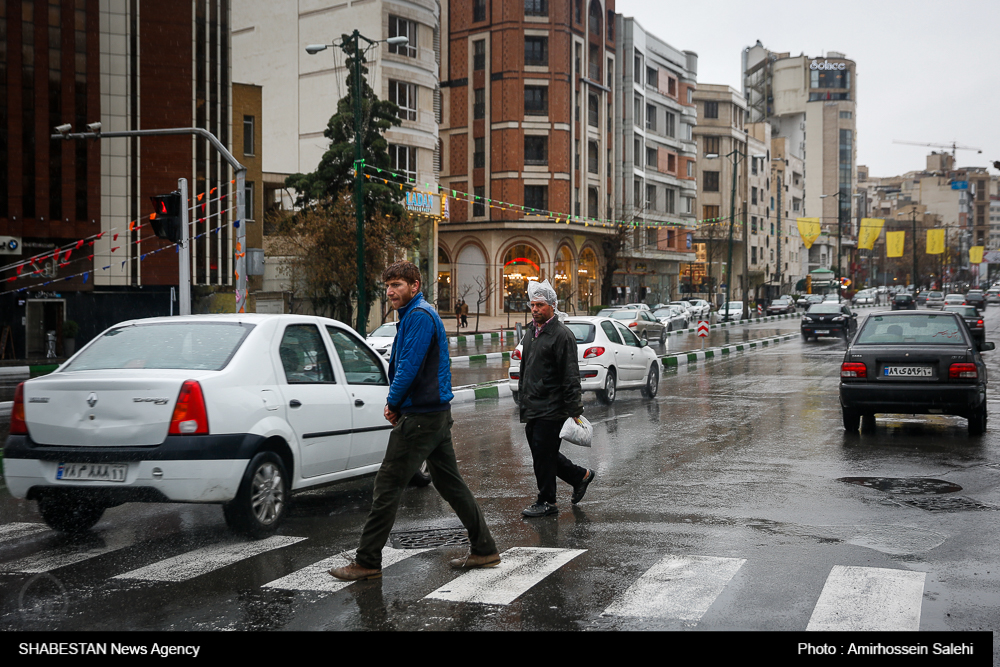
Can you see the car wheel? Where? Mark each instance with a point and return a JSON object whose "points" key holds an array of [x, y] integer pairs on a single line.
{"points": [[852, 420], [68, 513], [670, 326], [663, 336], [517, 399], [607, 395], [868, 423], [977, 422], [422, 477], [652, 383], [262, 500]]}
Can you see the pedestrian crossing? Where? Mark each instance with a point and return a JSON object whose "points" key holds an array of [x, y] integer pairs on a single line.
{"points": [[674, 588]]}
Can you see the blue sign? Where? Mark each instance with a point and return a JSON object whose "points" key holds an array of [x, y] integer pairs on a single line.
{"points": [[959, 185]]}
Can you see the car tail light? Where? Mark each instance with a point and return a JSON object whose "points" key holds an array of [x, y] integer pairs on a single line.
{"points": [[963, 371], [17, 423], [592, 352], [853, 369], [515, 375], [516, 355], [633, 324], [190, 416], [979, 324]]}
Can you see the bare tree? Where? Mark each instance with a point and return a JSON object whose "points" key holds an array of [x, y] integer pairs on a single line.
{"points": [[484, 289]]}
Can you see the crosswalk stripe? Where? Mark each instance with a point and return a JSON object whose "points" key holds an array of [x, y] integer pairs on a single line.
{"points": [[520, 568], [15, 531], [207, 559], [677, 587], [869, 598], [316, 577], [66, 555]]}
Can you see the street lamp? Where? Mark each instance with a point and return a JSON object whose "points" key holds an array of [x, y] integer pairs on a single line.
{"points": [[312, 50], [737, 156], [839, 194]]}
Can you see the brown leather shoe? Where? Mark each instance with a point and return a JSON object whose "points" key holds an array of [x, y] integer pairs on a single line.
{"points": [[355, 572], [473, 561]]}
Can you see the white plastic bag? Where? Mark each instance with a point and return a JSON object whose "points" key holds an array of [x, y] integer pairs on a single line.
{"points": [[577, 431]]}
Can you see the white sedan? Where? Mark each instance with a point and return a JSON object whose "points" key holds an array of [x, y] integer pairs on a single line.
{"points": [[382, 338], [239, 410], [610, 357]]}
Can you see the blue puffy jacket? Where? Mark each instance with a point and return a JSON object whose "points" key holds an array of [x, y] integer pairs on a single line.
{"points": [[419, 366]]}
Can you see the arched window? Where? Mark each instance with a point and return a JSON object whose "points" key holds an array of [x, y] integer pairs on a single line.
{"points": [[563, 279], [444, 281], [588, 288], [595, 18], [520, 264]]}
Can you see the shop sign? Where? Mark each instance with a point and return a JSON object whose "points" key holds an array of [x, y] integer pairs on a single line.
{"points": [[426, 203], [827, 65]]}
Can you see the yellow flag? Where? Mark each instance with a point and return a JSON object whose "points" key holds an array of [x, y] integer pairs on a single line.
{"points": [[869, 231], [809, 230], [935, 241], [895, 242], [976, 254]]}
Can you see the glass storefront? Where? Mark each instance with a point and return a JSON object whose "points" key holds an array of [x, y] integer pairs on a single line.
{"points": [[563, 279], [588, 288], [444, 282], [520, 265]]}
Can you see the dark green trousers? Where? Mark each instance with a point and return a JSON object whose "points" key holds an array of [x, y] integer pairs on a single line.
{"points": [[415, 438]]}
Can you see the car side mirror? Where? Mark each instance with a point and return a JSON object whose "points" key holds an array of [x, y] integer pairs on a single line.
{"points": [[644, 343], [986, 346]]}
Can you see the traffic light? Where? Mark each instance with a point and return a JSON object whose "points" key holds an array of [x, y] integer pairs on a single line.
{"points": [[166, 218]]}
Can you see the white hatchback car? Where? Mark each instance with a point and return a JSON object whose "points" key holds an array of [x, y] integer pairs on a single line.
{"points": [[610, 356], [382, 338], [233, 409]]}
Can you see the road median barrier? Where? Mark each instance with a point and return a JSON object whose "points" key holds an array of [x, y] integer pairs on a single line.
{"points": [[694, 356]]}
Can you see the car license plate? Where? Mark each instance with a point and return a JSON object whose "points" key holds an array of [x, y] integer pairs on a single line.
{"points": [[96, 472], [908, 371], [822, 331]]}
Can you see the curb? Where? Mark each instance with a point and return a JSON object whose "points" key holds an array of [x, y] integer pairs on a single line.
{"points": [[675, 360], [495, 335]]}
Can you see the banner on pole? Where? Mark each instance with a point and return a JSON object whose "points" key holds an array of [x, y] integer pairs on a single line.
{"points": [[869, 232], [895, 242], [976, 254], [935, 241], [809, 230]]}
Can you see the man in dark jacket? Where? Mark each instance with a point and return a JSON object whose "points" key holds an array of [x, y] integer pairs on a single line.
{"points": [[549, 392], [419, 408]]}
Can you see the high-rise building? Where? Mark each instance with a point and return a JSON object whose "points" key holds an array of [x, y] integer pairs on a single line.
{"points": [[528, 143], [813, 103]]}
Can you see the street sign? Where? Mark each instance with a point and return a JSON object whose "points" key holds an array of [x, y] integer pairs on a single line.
{"points": [[702, 328]]}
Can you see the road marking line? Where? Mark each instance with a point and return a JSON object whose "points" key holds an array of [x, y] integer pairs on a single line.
{"points": [[677, 587], [316, 577], [869, 598], [207, 559], [520, 568], [48, 561], [15, 531]]}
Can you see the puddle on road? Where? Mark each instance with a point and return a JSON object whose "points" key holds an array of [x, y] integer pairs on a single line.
{"points": [[904, 485], [893, 539]]}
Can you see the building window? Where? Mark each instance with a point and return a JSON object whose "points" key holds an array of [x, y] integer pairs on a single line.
{"points": [[637, 111], [650, 117], [636, 190], [671, 128], [403, 160], [711, 109], [248, 200], [593, 111], [536, 7], [479, 153], [536, 150], [478, 10], [404, 95], [671, 163], [536, 51], [248, 143], [479, 55], [846, 114], [637, 67], [652, 76], [711, 145], [753, 224], [479, 204], [651, 197], [595, 18], [651, 156], [668, 200], [753, 195], [711, 181], [611, 26], [592, 196], [399, 27], [592, 161], [536, 197], [479, 103], [536, 100]]}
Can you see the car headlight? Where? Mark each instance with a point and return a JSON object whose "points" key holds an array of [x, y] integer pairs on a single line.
{"points": [[807, 319], [839, 319]]}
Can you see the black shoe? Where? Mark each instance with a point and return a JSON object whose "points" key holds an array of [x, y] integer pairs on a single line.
{"points": [[540, 509], [580, 489]]}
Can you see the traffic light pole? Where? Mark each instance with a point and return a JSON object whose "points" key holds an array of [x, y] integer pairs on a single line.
{"points": [[184, 261], [241, 175]]}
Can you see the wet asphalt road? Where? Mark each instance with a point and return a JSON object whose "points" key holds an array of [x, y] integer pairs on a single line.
{"points": [[732, 480]]}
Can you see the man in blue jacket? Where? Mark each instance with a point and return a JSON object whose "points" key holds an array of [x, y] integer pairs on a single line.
{"points": [[419, 408]]}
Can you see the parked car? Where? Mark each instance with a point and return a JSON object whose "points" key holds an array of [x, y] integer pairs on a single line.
{"points": [[700, 308], [673, 317], [688, 308], [239, 410], [382, 338], [992, 296], [828, 319], [935, 300], [913, 363], [977, 298], [781, 306], [642, 323], [731, 312], [972, 319], [903, 301], [611, 357]]}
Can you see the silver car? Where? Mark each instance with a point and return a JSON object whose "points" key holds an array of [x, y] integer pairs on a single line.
{"points": [[935, 300]]}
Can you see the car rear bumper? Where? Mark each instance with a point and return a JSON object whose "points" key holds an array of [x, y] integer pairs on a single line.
{"points": [[592, 377], [922, 399], [837, 329]]}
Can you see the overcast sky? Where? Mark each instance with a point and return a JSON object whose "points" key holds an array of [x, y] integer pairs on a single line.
{"points": [[927, 72]]}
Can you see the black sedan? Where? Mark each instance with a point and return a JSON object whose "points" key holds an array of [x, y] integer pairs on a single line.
{"points": [[977, 298], [973, 320], [903, 301], [829, 319], [913, 363]]}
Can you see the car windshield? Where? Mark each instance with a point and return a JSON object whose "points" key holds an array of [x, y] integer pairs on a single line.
{"points": [[606, 312], [384, 331], [902, 297], [663, 312], [934, 295], [735, 305], [583, 331], [964, 311], [919, 329], [624, 315], [192, 346], [823, 309]]}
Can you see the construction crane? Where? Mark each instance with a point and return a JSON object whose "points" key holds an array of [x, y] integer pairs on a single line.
{"points": [[953, 146]]}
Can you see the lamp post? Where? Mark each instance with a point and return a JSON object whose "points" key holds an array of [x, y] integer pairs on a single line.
{"points": [[359, 205], [737, 155], [839, 194], [778, 174]]}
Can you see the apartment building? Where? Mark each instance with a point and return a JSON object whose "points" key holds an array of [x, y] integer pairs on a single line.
{"points": [[655, 167]]}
